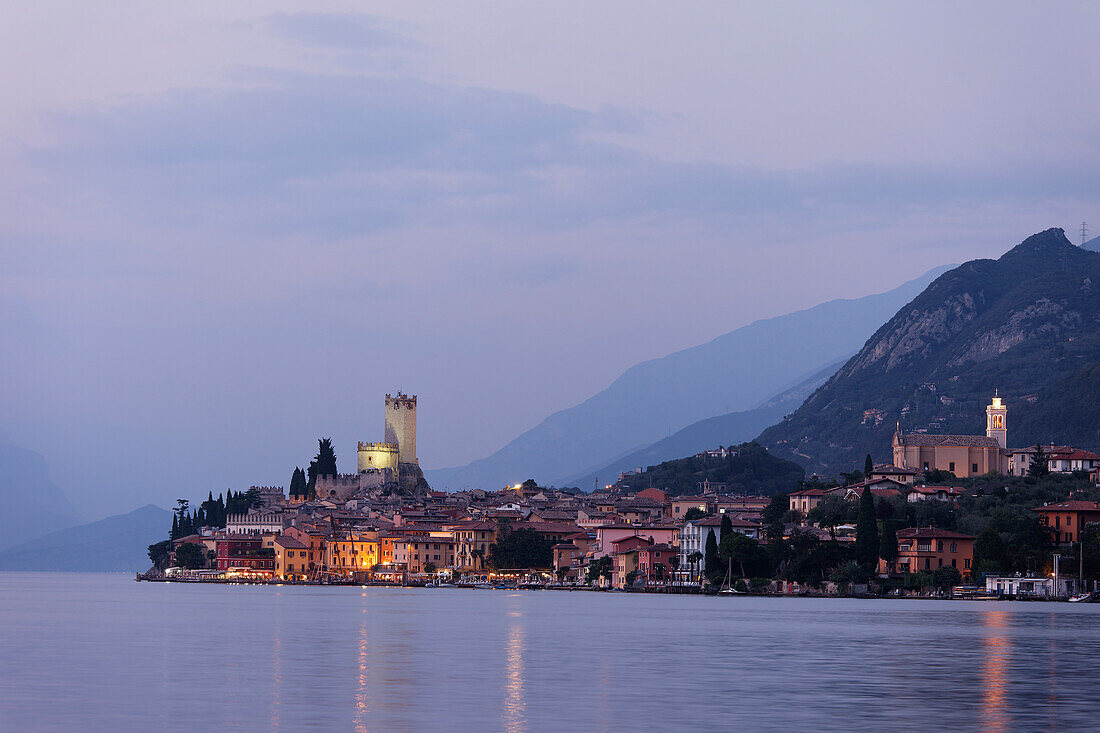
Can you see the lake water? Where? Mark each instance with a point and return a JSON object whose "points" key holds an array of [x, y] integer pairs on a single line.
{"points": [[101, 652]]}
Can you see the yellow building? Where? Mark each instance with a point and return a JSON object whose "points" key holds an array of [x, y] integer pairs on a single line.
{"points": [[471, 543], [354, 552]]}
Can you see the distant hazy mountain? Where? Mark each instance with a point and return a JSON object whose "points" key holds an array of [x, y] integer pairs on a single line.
{"points": [[1027, 324], [734, 372], [732, 428], [32, 504], [117, 543], [1093, 244]]}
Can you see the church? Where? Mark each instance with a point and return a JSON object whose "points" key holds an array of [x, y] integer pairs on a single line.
{"points": [[962, 455]]}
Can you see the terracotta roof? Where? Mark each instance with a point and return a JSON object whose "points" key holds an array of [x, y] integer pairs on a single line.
{"points": [[289, 543], [1072, 506], [970, 441], [931, 533]]}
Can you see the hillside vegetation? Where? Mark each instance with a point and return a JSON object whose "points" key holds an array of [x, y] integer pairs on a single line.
{"points": [[1027, 324], [750, 469]]}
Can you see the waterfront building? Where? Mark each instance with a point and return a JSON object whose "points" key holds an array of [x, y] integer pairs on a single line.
{"points": [[471, 543], [1067, 519], [236, 553], [291, 558], [254, 523], [929, 548]]}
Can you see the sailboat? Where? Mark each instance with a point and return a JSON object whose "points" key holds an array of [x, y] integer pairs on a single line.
{"points": [[727, 589]]}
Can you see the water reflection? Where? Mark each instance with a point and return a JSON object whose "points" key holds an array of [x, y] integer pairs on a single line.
{"points": [[996, 649], [362, 708], [276, 674], [515, 719]]}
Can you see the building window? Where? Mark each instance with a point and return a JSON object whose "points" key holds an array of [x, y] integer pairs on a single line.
{"points": [[939, 546], [954, 547], [1069, 520], [973, 468], [966, 563], [926, 465]]}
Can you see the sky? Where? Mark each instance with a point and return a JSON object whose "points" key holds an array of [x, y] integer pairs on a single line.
{"points": [[228, 229]]}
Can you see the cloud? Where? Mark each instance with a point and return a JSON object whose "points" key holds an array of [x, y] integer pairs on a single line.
{"points": [[341, 30], [337, 154]]}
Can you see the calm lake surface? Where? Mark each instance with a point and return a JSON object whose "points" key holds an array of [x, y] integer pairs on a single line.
{"points": [[101, 652]]}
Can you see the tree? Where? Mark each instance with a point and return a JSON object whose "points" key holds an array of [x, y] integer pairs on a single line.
{"points": [[323, 464], [712, 564], [849, 572], [694, 559], [736, 547], [888, 546], [725, 526], [429, 568], [630, 578], [867, 532], [694, 513], [190, 556], [674, 563], [298, 487], [599, 568], [158, 553], [868, 466], [989, 551], [523, 548], [946, 578], [776, 508], [1040, 464], [561, 573]]}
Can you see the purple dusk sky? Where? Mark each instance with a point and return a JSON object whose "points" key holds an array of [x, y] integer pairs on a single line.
{"points": [[227, 229]]}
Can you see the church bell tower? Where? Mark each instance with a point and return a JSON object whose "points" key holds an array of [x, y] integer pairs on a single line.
{"points": [[995, 421]]}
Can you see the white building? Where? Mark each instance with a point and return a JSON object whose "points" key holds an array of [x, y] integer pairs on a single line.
{"points": [[255, 523], [1030, 587], [693, 536]]}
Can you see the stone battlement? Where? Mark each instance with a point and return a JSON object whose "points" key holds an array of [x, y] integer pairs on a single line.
{"points": [[384, 447]]}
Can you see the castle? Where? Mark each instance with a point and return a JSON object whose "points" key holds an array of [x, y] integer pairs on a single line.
{"points": [[962, 455], [399, 441], [392, 463]]}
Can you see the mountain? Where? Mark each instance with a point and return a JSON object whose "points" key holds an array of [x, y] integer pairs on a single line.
{"points": [[114, 544], [749, 469], [1027, 324], [33, 505], [1093, 245], [734, 372], [729, 429]]}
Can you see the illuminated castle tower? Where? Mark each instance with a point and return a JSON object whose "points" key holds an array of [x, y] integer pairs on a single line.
{"points": [[995, 425], [401, 426]]}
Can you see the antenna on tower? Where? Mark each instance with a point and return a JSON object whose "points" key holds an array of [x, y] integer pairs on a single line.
{"points": [[1084, 233]]}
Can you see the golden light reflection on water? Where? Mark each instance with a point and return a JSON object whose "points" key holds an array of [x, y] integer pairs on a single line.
{"points": [[996, 650], [362, 706], [515, 706]]}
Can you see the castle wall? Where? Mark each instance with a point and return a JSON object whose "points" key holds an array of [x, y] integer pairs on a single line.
{"points": [[401, 426]]}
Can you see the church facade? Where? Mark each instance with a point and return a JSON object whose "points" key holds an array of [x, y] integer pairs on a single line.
{"points": [[962, 455]]}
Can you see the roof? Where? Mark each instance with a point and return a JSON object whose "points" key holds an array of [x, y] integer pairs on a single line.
{"points": [[1076, 505], [969, 441], [893, 471], [290, 543], [931, 533]]}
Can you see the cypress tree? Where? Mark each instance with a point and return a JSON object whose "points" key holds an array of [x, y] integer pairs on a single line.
{"points": [[726, 526], [888, 547], [867, 543], [174, 533], [989, 551], [712, 564], [298, 487], [323, 464], [868, 466]]}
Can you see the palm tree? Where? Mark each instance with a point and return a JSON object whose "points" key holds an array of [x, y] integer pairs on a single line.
{"points": [[695, 558]]}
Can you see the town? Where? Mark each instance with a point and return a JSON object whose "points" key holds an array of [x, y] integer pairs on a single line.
{"points": [[949, 516]]}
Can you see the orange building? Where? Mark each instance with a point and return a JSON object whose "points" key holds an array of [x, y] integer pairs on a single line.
{"points": [[1067, 519], [291, 558], [928, 548]]}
